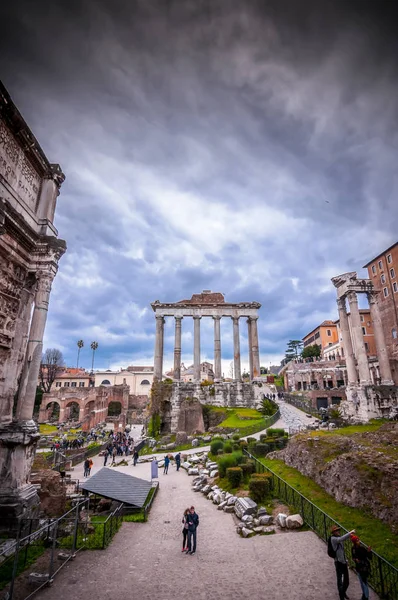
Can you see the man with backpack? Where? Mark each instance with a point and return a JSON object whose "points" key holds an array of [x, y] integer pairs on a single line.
{"points": [[336, 551]]}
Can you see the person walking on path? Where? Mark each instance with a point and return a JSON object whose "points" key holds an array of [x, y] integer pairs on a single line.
{"points": [[135, 457], [193, 522], [185, 530], [340, 561], [90, 465], [86, 468], [114, 453], [166, 464], [178, 460], [361, 557]]}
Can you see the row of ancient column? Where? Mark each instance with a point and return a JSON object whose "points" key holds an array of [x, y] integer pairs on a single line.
{"points": [[356, 331], [254, 356]]}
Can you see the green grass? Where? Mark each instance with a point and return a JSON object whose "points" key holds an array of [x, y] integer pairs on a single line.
{"points": [[33, 553], [46, 429], [371, 530], [240, 418]]}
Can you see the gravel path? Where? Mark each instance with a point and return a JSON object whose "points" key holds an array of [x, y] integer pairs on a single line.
{"points": [[145, 561]]}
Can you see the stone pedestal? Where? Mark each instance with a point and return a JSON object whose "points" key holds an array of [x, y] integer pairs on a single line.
{"points": [[18, 497]]}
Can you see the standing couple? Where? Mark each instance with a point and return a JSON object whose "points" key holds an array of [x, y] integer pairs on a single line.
{"points": [[190, 522]]}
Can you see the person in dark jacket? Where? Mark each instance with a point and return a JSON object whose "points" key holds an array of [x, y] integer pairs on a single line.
{"points": [[86, 468], [340, 561], [361, 557], [185, 530], [178, 460], [166, 464], [135, 457], [193, 522]]}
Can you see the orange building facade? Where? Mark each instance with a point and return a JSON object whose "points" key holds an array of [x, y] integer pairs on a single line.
{"points": [[325, 335]]}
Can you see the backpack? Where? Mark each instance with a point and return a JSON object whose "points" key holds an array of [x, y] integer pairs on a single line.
{"points": [[331, 550]]}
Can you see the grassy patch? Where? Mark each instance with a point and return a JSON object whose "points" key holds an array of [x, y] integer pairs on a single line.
{"points": [[46, 429], [32, 554], [240, 418], [373, 532]]}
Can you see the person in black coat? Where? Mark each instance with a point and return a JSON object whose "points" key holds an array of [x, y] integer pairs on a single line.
{"points": [[193, 522], [178, 460], [361, 557]]}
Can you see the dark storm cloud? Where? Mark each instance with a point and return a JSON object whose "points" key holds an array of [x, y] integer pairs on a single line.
{"points": [[247, 147]]}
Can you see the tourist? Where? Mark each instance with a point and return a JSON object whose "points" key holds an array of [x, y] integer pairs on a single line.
{"points": [[86, 467], [178, 460], [135, 457], [114, 452], [90, 465], [361, 557], [193, 522], [185, 530], [166, 464], [340, 561], [106, 454]]}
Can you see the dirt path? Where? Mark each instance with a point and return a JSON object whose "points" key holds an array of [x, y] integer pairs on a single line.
{"points": [[145, 560]]}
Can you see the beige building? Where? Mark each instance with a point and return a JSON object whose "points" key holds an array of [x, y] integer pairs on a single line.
{"points": [[139, 379], [73, 378]]}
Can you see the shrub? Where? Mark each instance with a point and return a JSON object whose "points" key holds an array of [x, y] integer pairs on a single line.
{"points": [[261, 449], [275, 432], [228, 448], [243, 444], [263, 437], [236, 446], [260, 486], [247, 470], [234, 476], [236, 437], [220, 452], [216, 445], [225, 462], [251, 440]]}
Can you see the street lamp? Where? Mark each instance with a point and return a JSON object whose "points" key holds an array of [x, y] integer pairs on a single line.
{"points": [[80, 345], [94, 346]]}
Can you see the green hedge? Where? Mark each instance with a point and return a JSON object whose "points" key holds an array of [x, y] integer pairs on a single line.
{"points": [[226, 461], [235, 476], [216, 445], [247, 470], [261, 450], [228, 448], [260, 486], [276, 432]]}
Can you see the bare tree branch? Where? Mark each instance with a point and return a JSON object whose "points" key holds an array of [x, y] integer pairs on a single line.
{"points": [[51, 362]]}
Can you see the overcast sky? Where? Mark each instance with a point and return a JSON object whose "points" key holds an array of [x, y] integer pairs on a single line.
{"points": [[247, 147]]}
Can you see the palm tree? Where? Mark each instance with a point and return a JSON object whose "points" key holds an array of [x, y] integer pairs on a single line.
{"points": [[94, 346], [80, 345]]}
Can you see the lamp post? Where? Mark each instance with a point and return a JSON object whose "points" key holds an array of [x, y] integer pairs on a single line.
{"points": [[94, 346], [80, 345]]}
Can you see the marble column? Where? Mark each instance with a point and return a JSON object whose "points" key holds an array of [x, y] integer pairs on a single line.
{"points": [[249, 343], [34, 349], [356, 328], [158, 366], [196, 348], [217, 349], [177, 348], [255, 348], [352, 377], [382, 356], [237, 370]]}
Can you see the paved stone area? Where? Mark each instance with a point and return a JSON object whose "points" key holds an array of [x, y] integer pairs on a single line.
{"points": [[145, 561], [292, 418]]}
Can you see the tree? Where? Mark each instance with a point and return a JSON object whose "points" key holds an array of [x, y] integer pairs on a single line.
{"points": [[293, 349], [52, 360], [311, 351]]}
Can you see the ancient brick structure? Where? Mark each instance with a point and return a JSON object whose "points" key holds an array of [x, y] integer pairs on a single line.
{"points": [[29, 255]]}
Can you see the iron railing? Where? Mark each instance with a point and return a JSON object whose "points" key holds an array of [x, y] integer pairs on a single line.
{"points": [[383, 577], [58, 541]]}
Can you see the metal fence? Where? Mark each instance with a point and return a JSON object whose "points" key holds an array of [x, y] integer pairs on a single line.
{"points": [[54, 544], [267, 422], [383, 577]]}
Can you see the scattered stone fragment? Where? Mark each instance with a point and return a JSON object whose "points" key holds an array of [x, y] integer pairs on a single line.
{"points": [[281, 520], [294, 521]]}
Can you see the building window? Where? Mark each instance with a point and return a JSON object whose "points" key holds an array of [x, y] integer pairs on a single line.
{"points": [[374, 269], [380, 265], [105, 382], [366, 346], [392, 273], [145, 382], [395, 286], [362, 318], [66, 384], [383, 279], [73, 384], [81, 383], [329, 333], [389, 259], [394, 333], [385, 292], [364, 330], [58, 384]]}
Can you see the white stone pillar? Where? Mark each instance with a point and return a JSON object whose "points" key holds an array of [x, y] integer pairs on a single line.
{"points": [[249, 343], [34, 349], [196, 348], [352, 377], [255, 348], [356, 327], [217, 349], [177, 348], [158, 365], [384, 363], [237, 370]]}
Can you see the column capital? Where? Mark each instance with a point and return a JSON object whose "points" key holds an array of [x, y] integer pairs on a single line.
{"points": [[235, 318], [352, 297], [160, 317], [372, 296], [216, 317], [341, 303], [196, 317], [178, 318]]}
